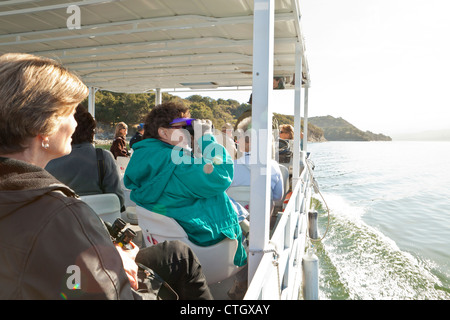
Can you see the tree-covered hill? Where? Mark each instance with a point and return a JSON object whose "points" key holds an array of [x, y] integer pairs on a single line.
{"points": [[315, 134], [338, 129], [112, 108]]}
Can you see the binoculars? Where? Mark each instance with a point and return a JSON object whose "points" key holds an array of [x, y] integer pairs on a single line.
{"points": [[189, 128], [120, 236]]}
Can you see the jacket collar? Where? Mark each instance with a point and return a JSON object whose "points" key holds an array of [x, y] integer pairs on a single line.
{"points": [[19, 175]]}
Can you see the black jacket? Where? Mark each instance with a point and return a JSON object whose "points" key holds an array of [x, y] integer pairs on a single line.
{"points": [[52, 245], [136, 138]]}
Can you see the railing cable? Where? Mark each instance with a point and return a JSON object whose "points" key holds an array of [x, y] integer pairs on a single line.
{"points": [[274, 261]]}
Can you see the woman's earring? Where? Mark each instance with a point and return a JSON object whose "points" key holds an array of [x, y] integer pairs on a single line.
{"points": [[45, 144]]}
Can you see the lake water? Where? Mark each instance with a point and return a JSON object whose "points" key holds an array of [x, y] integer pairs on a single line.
{"points": [[389, 231]]}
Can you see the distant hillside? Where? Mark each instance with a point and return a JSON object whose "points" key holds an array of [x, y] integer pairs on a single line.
{"points": [[315, 134], [132, 109], [112, 108], [338, 129]]}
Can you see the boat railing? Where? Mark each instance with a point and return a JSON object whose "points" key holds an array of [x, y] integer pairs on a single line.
{"points": [[281, 265]]}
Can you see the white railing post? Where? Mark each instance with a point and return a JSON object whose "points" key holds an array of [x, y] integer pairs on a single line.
{"points": [[305, 121], [297, 114], [263, 32]]}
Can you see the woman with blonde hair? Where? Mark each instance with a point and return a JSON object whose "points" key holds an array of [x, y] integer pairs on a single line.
{"points": [[53, 245], [119, 145]]}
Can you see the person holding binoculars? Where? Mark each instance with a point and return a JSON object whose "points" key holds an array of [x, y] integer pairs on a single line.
{"points": [[179, 170]]}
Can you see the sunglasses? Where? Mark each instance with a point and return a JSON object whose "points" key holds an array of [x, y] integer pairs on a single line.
{"points": [[189, 128]]}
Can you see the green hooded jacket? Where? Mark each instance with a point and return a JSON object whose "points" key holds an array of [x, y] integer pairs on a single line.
{"points": [[168, 180]]}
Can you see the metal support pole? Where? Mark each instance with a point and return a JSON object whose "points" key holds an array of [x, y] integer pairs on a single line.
{"points": [[91, 101], [261, 140], [297, 114], [305, 121], [158, 97]]}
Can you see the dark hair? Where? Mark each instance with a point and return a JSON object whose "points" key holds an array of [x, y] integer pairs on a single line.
{"points": [[86, 125], [161, 116]]}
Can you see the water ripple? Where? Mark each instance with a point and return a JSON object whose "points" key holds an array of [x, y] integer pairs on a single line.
{"points": [[389, 236]]}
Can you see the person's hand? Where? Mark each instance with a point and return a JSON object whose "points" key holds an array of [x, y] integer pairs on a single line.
{"points": [[129, 265], [202, 127]]}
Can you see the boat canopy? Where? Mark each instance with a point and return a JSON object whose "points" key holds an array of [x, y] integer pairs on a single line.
{"points": [[136, 46]]}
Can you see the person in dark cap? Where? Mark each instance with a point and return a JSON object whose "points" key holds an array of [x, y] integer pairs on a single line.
{"points": [[138, 135]]}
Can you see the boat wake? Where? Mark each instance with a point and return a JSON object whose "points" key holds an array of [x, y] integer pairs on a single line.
{"points": [[358, 262]]}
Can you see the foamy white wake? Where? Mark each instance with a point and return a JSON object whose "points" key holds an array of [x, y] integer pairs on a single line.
{"points": [[369, 264]]}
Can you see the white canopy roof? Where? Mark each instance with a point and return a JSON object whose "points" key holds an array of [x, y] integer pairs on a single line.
{"points": [[141, 45]]}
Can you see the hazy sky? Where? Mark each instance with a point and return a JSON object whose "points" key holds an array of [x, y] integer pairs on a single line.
{"points": [[382, 65]]}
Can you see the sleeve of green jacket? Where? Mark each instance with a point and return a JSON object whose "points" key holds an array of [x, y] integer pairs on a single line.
{"points": [[209, 174]]}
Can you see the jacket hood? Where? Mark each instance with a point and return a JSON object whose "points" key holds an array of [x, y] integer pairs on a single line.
{"points": [[21, 182]]}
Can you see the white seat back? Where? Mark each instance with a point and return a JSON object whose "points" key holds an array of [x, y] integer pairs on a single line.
{"points": [[127, 194], [240, 194], [285, 175], [122, 163], [106, 205], [216, 260]]}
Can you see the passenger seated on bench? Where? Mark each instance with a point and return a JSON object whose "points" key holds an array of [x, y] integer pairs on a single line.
{"points": [[287, 133], [165, 177], [50, 239], [242, 164], [54, 246], [225, 137], [119, 145], [79, 169]]}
